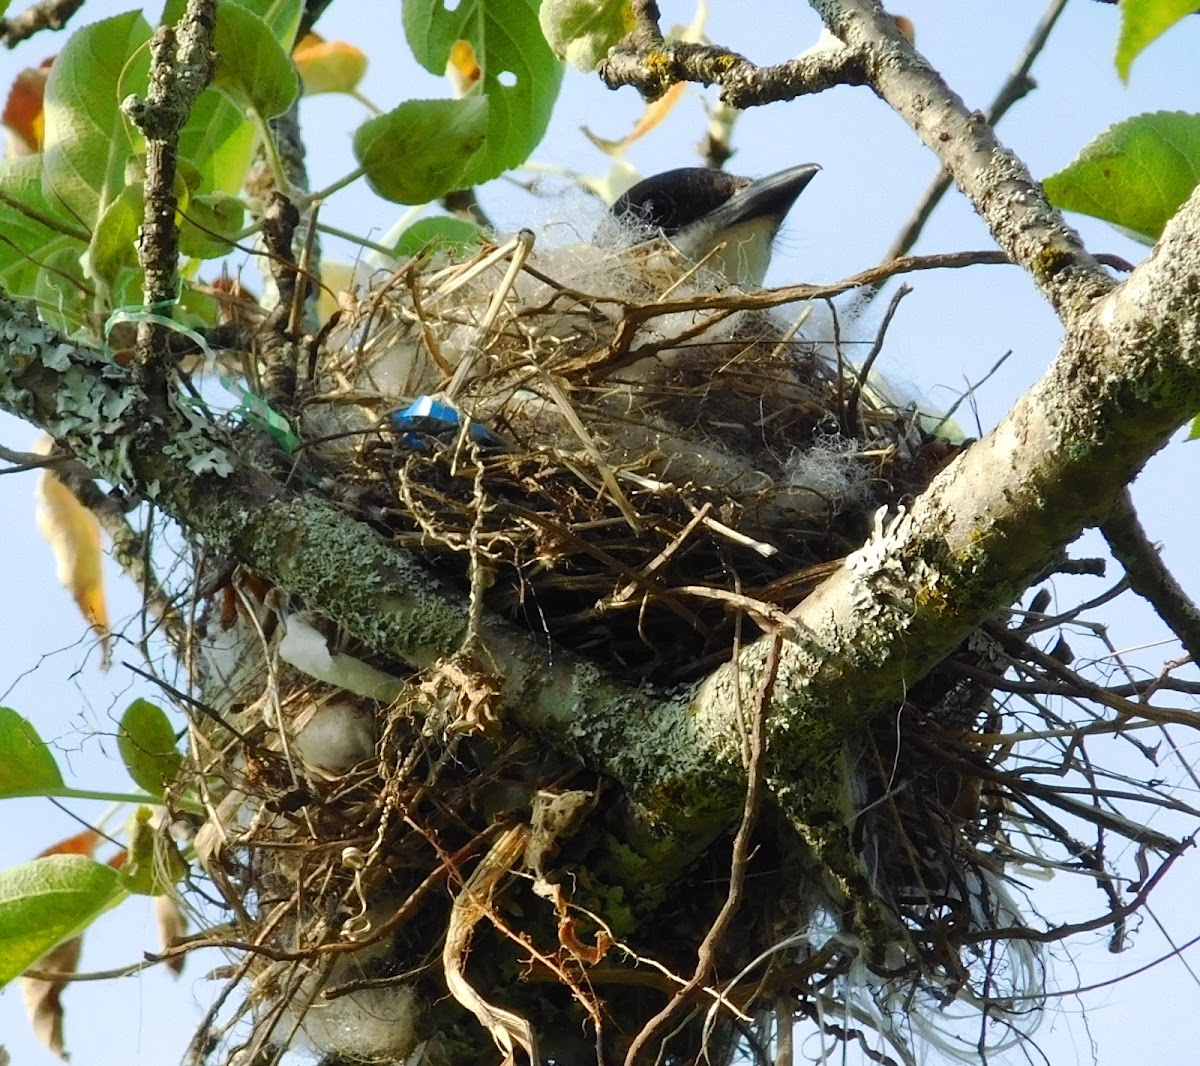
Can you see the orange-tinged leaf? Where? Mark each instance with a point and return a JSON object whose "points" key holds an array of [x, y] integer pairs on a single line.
{"points": [[23, 113], [43, 998], [462, 68], [328, 66], [906, 27], [651, 117], [73, 534], [80, 844]]}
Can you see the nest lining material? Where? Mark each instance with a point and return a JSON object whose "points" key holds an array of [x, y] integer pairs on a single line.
{"points": [[642, 477]]}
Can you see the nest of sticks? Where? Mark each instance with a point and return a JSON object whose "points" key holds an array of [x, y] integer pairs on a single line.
{"points": [[644, 472]]}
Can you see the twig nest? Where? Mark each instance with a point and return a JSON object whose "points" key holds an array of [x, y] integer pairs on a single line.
{"points": [[631, 455]]}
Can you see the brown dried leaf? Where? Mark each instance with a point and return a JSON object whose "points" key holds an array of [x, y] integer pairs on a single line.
{"points": [[42, 998], [508, 1029]]}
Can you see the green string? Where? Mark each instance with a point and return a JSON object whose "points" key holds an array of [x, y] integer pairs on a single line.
{"points": [[252, 408]]}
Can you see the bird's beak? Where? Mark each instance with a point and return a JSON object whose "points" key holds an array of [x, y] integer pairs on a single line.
{"points": [[735, 238], [767, 198]]}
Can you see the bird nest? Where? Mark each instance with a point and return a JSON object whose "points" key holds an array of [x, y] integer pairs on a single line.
{"points": [[634, 468], [646, 472]]}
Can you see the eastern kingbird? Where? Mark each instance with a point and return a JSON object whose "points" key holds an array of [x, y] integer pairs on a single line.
{"points": [[725, 222]]}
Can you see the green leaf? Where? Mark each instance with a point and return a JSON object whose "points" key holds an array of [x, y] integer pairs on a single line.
{"points": [[114, 241], [47, 901], [88, 140], [146, 741], [1134, 175], [153, 864], [441, 232], [210, 225], [27, 766], [582, 31], [255, 69], [509, 47], [1144, 21], [63, 298], [28, 224], [423, 148], [219, 138]]}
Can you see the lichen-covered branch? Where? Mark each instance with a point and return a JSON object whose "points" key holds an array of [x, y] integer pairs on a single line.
{"points": [[651, 64], [1127, 375], [182, 61], [1016, 86]]}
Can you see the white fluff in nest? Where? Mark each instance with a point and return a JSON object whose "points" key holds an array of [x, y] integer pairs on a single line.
{"points": [[375, 1025], [832, 470], [336, 738]]}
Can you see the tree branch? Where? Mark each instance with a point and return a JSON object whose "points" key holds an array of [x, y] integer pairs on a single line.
{"points": [[1127, 375], [1149, 577], [48, 15], [1016, 87], [181, 63], [1024, 223], [652, 65]]}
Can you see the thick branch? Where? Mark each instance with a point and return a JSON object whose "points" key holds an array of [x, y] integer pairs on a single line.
{"points": [[1016, 86], [1128, 374]]}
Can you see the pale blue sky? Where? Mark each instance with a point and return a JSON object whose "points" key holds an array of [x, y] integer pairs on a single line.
{"points": [[952, 329]]}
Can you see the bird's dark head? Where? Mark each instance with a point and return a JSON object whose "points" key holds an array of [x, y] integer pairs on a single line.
{"points": [[725, 221]]}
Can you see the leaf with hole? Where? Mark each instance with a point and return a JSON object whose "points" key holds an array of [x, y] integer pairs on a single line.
{"points": [[521, 75]]}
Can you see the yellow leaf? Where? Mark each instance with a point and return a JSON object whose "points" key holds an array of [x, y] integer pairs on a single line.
{"points": [[73, 534], [336, 279], [328, 66]]}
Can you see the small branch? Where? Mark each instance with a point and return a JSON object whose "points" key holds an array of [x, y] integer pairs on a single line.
{"points": [[1030, 230], [652, 65], [48, 15], [706, 954], [849, 414], [182, 62], [1149, 576], [1017, 86], [313, 10]]}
